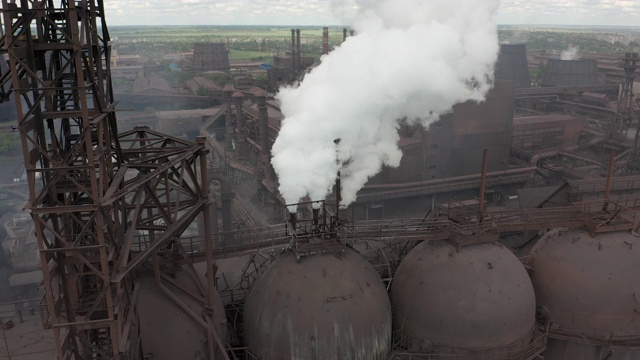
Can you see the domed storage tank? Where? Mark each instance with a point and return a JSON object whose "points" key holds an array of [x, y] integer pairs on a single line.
{"points": [[589, 290], [167, 332], [477, 302], [512, 65], [570, 72], [321, 307]]}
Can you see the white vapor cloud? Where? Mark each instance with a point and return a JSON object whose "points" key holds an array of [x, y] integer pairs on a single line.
{"points": [[411, 60]]}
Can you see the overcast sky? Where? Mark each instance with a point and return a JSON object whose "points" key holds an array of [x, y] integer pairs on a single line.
{"points": [[319, 12]]}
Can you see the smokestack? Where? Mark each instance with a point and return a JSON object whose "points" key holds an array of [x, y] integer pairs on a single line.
{"points": [[228, 91], [293, 52], [325, 40], [298, 54], [263, 118]]}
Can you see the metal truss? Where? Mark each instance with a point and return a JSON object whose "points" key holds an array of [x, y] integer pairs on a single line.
{"points": [[102, 204]]}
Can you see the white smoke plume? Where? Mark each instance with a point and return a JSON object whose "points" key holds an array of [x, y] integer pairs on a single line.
{"points": [[570, 54], [410, 60]]}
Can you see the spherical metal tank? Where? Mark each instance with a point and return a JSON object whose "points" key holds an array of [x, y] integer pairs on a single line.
{"points": [[477, 299], [321, 307], [589, 290], [167, 332]]}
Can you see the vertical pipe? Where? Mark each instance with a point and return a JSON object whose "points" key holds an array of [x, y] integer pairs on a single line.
{"points": [[483, 182], [238, 101], [228, 91], [208, 236], [338, 196], [293, 53], [325, 40], [263, 118], [298, 54], [612, 160]]}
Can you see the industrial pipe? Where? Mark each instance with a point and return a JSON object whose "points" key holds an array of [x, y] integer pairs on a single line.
{"points": [[483, 181], [449, 179], [607, 191], [293, 53], [226, 197], [298, 54], [325, 40]]}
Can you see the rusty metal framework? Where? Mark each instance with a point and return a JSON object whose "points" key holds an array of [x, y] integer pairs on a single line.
{"points": [[102, 204]]}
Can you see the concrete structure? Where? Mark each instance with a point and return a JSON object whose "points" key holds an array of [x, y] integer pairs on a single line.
{"points": [[210, 56], [512, 65], [153, 85], [199, 85], [570, 72], [531, 133], [183, 122]]}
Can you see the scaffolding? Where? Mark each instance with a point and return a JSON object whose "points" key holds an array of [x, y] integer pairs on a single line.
{"points": [[93, 195]]}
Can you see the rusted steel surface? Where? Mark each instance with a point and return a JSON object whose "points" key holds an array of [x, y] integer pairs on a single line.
{"points": [[323, 307], [532, 351], [602, 273], [90, 191], [448, 300]]}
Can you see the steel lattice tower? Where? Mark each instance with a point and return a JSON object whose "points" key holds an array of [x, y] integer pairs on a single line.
{"points": [[102, 204]]}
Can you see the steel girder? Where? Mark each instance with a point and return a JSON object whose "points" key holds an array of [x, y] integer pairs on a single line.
{"points": [[100, 209]]}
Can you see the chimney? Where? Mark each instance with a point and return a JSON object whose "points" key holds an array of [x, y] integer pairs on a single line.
{"points": [[325, 40], [293, 52], [228, 92], [263, 118], [344, 34], [298, 54]]}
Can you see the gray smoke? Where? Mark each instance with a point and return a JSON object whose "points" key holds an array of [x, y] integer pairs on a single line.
{"points": [[570, 54], [410, 60]]}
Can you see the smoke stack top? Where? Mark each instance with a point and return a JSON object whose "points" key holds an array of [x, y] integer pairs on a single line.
{"points": [[410, 60]]}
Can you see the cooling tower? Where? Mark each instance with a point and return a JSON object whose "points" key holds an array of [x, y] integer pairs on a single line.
{"points": [[588, 289], [474, 303], [321, 307], [512, 65], [570, 72]]}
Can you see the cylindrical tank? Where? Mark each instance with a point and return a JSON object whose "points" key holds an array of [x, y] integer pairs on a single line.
{"points": [[559, 72], [321, 307], [167, 332], [589, 291], [477, 301], [512, 65]]}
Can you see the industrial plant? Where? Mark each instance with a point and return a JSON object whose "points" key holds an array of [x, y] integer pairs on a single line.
{"points": [[507, 229]]}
